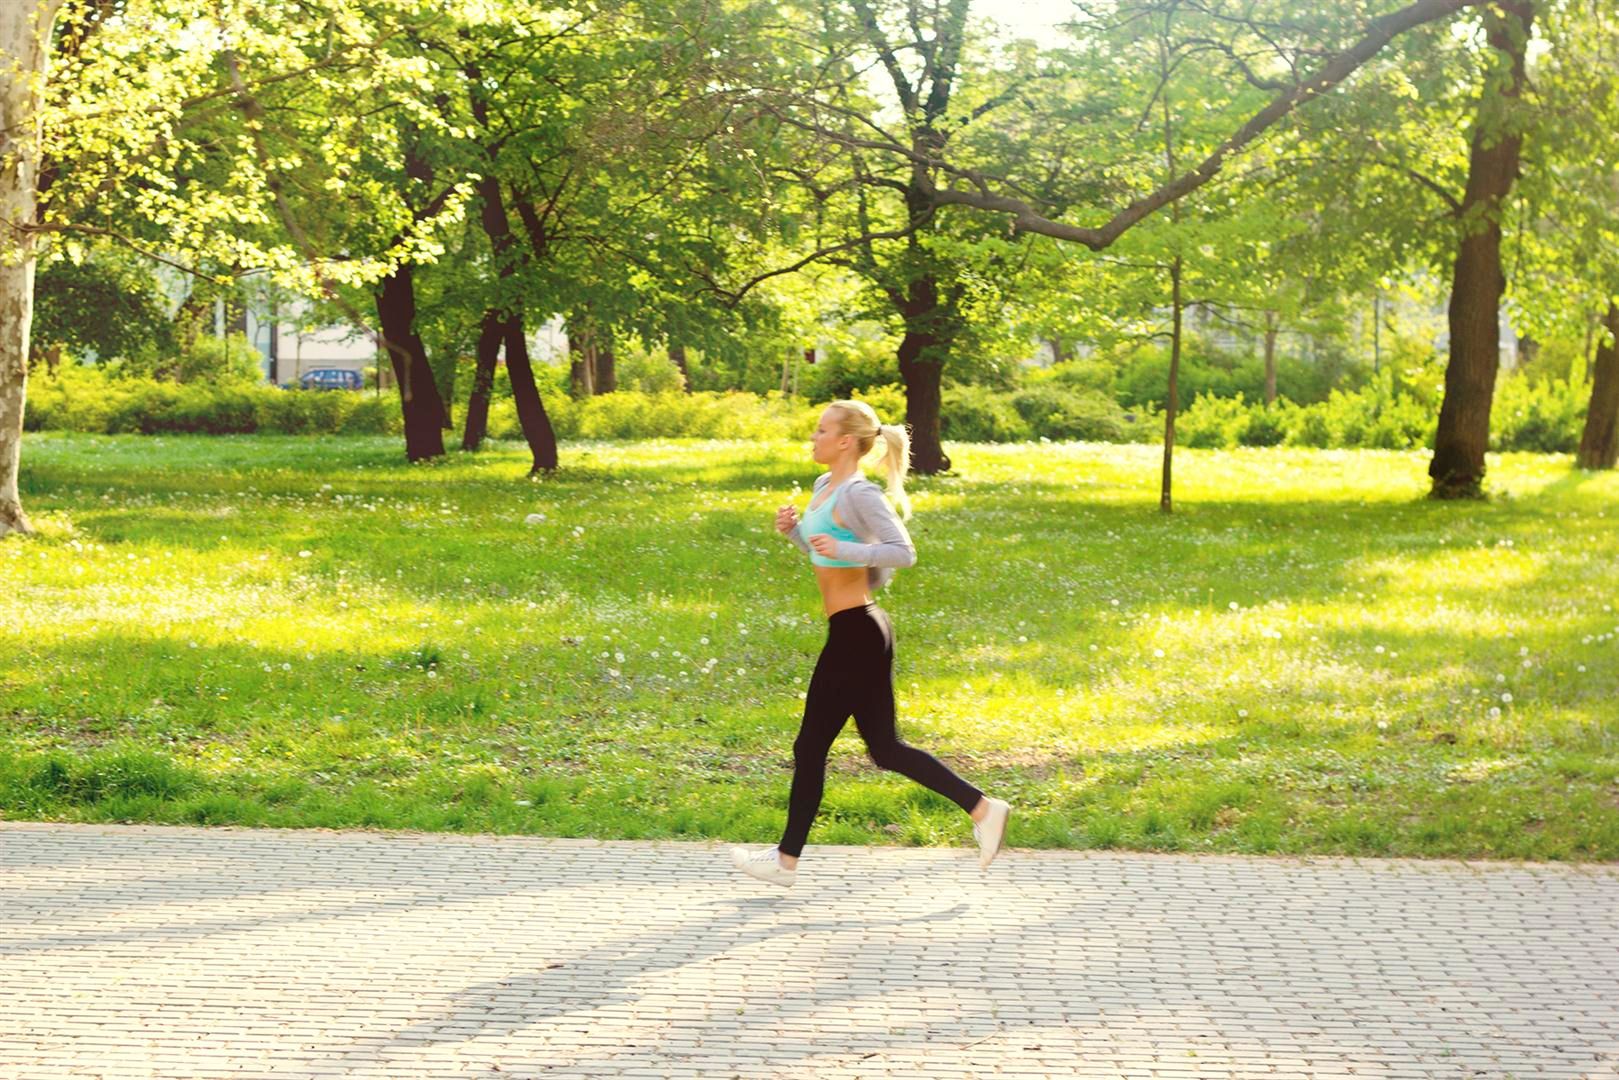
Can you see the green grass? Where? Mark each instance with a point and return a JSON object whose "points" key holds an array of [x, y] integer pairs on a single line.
{"points": [[1308, 657]]}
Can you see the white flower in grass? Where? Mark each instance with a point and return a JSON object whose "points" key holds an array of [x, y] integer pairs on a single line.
{"points": [[1506, 699], [1495, 711], [1382, 725], [305, 554], [613, 671], [1158, 652], [534, 519]]}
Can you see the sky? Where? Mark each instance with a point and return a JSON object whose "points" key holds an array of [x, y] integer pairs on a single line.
{"points": [[1026, 18]]}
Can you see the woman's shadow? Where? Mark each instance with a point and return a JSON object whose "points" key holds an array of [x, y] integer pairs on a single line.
{"points": [[603, 975]]}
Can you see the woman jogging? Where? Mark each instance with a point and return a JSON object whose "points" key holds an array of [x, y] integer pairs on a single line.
{"points": [[855, 540]]}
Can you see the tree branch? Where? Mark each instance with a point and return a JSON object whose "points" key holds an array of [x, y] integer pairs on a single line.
{"points": [[1342, 64]]}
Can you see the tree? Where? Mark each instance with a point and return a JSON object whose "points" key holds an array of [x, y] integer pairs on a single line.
{"points": [[1477, 281], [158, 113], [25, 32]]}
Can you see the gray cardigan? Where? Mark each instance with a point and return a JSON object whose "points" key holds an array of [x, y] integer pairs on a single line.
{"points": [[864, 510]]}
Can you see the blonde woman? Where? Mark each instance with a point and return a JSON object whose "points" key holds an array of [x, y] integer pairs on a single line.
{"points": [[855, 541]]}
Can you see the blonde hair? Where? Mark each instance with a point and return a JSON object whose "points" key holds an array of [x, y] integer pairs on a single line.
{"points": [[860, 420]]}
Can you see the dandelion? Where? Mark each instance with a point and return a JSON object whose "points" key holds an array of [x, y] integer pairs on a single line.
{"points": [[1506, 699], [303, 554], [1495, 712], [1158, 652], [1382, 725], [1378, 649]]}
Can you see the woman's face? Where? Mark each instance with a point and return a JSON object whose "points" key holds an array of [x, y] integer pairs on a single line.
{"points": [[827, 441]]}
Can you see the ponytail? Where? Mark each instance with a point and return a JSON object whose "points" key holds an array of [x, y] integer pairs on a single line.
{"points": [[896, 463]]}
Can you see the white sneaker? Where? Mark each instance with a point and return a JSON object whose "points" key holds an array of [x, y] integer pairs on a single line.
{"points": [[991, 832], [764, 865]]}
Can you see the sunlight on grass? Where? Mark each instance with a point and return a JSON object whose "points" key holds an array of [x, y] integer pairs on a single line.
{"points": [[1306, 657]]}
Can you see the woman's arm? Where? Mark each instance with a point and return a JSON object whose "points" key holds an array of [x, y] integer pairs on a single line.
{"points": [[866, 511], [796, 533]]}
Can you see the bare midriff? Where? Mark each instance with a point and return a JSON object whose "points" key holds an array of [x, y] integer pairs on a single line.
{"points": [[842, 587]]}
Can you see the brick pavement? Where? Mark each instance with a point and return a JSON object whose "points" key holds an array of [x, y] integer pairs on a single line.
{"points": [[130, 951]]}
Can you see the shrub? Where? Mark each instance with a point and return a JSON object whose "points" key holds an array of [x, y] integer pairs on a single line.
{"points": [[972, 414], [1546, 415], [1054, 413]]}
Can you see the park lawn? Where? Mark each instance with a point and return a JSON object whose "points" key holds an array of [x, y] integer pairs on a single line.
{"points": [[1307, 657]]}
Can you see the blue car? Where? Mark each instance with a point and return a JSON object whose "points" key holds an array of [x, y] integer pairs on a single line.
{"points": [[331, 379]]}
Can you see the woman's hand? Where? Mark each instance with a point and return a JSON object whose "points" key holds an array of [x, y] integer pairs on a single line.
{"points": [[786, 520], [824, 545]]}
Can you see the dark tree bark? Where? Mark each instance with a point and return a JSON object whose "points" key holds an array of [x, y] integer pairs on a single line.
{"points": [[531, 414], [922, 350], [677, 357], [606, 380], [1599, 442], [490, 335], [418, 394], [1463, 435], [1172, 398], [1272, 325], [503, 324]]}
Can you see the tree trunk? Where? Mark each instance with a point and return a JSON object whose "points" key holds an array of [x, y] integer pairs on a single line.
{"points": [[490, 335], [677, 357], [1463, 435], [921, 367], [418, 393], [1272, 325], [25, 30], [1592, 321], [537, 430], [581, 358], [606, 380], [1599, 443], [1172, 398]]}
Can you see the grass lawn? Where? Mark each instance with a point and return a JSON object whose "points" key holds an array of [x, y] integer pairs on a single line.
{"points": [[1308, 657]]}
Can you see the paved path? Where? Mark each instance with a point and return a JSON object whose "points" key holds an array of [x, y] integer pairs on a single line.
{"points": [[136, 952]]}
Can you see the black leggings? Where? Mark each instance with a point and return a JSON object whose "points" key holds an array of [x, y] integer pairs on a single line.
{"points": [[855, 675]]}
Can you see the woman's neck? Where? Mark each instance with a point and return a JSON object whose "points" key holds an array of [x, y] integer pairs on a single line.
{"points": [[840, 471]]}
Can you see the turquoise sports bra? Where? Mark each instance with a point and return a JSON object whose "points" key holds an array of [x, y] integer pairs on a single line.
{"points": [[819, 519]]}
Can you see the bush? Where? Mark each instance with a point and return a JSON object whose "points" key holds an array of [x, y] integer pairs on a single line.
{"points": [[972, 414], [1054, 413], [214, 360], [1076, 375], [1545, 415]]}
